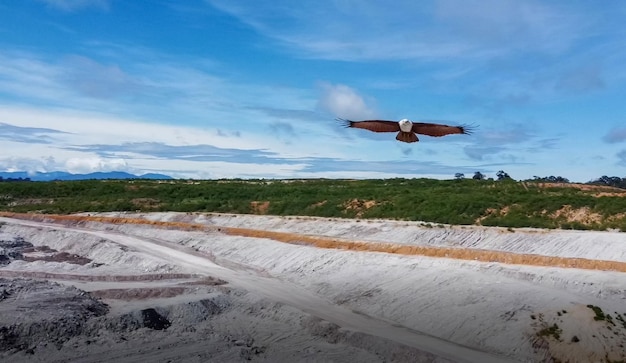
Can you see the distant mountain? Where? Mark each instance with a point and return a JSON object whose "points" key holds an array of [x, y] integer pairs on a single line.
{"points": [[61, 175]]}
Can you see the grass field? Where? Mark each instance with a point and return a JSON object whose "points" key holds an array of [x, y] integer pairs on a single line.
{"points": [[505, 203]]}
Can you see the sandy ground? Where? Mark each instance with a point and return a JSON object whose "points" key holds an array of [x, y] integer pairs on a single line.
{"points": [[172, 295]]}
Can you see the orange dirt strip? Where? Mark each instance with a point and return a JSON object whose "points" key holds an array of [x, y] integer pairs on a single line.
{"points": [[334, 243]]}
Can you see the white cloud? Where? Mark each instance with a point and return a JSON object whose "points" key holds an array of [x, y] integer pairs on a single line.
{"points": [[30, 165], [343, 101], [154, 89], [79, 132], [95, 164], [113, 95], [93, 128]]}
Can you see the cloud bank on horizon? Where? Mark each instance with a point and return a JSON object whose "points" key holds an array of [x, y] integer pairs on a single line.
{"points": [[223, 88]]}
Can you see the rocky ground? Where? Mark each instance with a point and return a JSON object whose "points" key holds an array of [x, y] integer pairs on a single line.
{"points": [[92, 291], [45, 321]]}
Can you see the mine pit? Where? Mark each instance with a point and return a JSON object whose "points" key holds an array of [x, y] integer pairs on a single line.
{"points": [[189, 287]]}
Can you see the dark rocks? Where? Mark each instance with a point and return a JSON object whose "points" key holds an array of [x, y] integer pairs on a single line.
{"points": [[12, 250], [19, 249], [43, 311], [4, 294], [153, 320]]}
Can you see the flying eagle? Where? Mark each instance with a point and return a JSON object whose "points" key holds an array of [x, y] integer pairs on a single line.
{"points": [[406, 129]]}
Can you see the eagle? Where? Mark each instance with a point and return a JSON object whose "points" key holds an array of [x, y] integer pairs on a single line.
{"points": [[407, 129]]}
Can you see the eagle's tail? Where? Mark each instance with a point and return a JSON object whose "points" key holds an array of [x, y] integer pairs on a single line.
{"points": [[344, 122], [407, 137]]}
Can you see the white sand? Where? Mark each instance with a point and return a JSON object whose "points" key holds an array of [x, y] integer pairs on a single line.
{"points": [[437, 305]]}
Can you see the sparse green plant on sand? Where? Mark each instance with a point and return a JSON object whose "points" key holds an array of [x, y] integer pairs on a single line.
{"points": [[551, 331], [621, 319], [598, 311]]}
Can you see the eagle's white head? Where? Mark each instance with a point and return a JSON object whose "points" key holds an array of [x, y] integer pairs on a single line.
{"points": [[405, 125]]}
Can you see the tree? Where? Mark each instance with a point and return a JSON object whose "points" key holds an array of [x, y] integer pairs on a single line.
{"points": [[459, 176], [613, 181], [478, 176], [551, 179], [502, 175]]}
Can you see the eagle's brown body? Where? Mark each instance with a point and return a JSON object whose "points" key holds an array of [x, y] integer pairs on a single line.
{"points": [[407, 130]]}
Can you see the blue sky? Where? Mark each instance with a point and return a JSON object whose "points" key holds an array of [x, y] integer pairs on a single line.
{"points": [[226, 88]]}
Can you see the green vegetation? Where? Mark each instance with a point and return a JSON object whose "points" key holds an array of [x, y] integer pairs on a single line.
{"points": [[551, 331], [621, 319], [598, 311], [505, 203]]}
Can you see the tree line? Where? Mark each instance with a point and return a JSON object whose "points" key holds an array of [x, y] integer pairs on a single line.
{"points": [[610, 181], [14, 179]]}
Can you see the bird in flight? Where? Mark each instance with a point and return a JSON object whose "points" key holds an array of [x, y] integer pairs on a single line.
{"points": [[406, 129]]}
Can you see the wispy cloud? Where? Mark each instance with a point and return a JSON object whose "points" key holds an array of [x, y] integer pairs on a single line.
{"points": [[528, 26], [544, 144], [87, 128], [503, 142], [120, 156], [497, 54], [183, 152], [408, 30], [621, 156], [219, 132], [289, 114], [479, 152], [284, 131], [150, 88], [582, 79], [615, 135], [390, 167], [208, 153], [72, 5], [94, 79], [262, 99], [26, 75], [30, 135], [509, 134]]}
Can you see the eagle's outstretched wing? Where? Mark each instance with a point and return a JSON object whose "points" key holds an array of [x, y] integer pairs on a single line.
{"points": [[429, 129], [372, 125]]}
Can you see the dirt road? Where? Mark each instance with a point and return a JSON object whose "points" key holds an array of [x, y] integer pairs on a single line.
{"points": [[286, 293]]}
